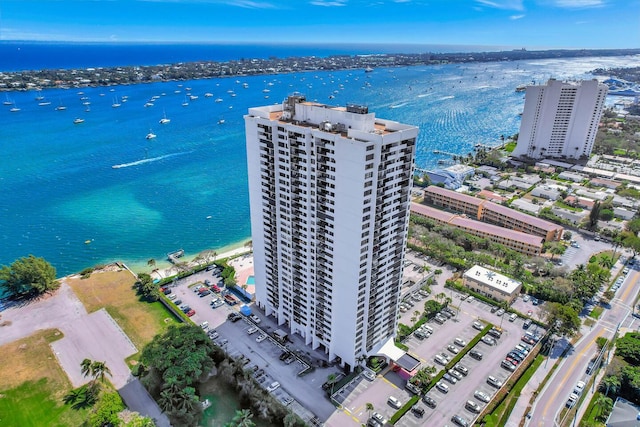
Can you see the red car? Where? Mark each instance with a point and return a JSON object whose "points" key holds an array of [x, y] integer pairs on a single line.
{"points": [[191, 312], [215, 288]]}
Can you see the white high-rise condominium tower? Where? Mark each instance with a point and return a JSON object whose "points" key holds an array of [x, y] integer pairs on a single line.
{"points": [[560, 120], [329, 193]]}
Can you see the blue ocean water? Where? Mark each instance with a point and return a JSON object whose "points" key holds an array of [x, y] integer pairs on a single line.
{"points": [[22, 55], [187, 188]]}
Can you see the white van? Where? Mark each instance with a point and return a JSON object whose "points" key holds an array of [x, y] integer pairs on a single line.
{"points": [[394, 402]]}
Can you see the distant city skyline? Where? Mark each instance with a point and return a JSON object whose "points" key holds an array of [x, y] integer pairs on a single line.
{"points": [[539, 24]]}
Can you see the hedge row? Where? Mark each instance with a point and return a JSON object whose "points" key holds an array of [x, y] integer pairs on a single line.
{"points": [[407, 406]]}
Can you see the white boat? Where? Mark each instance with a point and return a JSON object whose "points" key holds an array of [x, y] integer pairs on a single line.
{"points": [[14, 109], [39, 97], [221, 121], [218, 99], [164, 120], [368, 70], [208, 95], [115, 104], [77, 121], [193, 97], [44, 103], [185, 103], [148, 104], [150, 135], [61, 108]]}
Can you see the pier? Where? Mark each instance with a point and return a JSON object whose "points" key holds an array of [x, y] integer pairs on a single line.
{"points": [[173, 256]]}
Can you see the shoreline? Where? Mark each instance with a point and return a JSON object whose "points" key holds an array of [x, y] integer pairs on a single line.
{"points": [[164, 268], [26, 80]]}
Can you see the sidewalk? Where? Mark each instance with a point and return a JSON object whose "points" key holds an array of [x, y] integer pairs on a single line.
{"points": [[520, 409]]}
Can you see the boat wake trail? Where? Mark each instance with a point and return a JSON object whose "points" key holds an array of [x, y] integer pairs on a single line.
{"points": [[399, 105], [151, 160]]}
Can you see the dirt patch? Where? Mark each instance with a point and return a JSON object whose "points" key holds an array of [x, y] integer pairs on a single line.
{"points": [[31, 360], [114, 291]]}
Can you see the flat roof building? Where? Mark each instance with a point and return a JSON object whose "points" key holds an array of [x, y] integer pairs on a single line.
{"points": [[329, 191], [491, 284], [560, 119]]}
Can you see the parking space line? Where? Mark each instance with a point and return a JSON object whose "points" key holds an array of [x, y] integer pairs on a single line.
{"points": [[390, 383]]}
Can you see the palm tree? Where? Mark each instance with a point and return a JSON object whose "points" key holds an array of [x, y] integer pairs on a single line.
{"points": [[85, 367], [243, 418], [612, 383], [604, 405], [99, 370], [151, 263], [331, 379], [369, 407]]}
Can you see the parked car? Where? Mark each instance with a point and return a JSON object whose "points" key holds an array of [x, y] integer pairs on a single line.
{"points": [[478, 326], [482, 396], [252, 330], [457, 375], [526, 324], [442, 387], [273, 386], [255, 318], [190, 313], [475, 354], [261, 337], [449, 378], [579, 388], [472, 406], [500, 312], [493, 381], [488, 340], [417, 410], [394, 402], [440, 360], [508, 365], [368, 375], [453, 349], [460, 342], [429, 401], [573, 398], [458, 420], [462, 369]]}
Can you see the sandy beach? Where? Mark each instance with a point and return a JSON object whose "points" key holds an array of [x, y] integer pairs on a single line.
{"points": [[242, 261]]}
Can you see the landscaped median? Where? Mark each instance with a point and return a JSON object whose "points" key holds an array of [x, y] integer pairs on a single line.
{"points": [[407, 406]]}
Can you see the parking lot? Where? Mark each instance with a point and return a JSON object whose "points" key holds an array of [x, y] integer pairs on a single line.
{"points": [[303, 394], [466, 386]]}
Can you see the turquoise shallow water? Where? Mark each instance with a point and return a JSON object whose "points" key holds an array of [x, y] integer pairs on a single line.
{"points": [[187, 188]]}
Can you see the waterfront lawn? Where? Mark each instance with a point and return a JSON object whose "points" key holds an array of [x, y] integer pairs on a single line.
{"points": [[32, 384], [114, 291]]}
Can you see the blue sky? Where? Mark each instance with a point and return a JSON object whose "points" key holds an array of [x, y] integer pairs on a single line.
{"points": [[507, 23]]}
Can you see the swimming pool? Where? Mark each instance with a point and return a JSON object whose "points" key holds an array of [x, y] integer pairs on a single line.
{"points": [[251, 280]]}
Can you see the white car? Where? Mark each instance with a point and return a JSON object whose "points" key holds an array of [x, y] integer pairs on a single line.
{"points": [[573, 398], [369, 375], [252, 330], [442, 387], [255, 318], [579, 387], [261, 337], [273, 386]]}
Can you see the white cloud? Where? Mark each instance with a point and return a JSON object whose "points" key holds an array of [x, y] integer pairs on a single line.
{"points": [[579, 4], [514, 17], [502, 4], [329, 3]]}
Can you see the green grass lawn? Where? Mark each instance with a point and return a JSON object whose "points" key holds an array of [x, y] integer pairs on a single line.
{"points": [[32, 404], [596, 312]]}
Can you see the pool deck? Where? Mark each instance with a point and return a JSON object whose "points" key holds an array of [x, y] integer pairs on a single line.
{"points": [[244, 268]]}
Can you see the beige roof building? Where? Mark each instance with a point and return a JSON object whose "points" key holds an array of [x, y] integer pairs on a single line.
{"points": [[491, 284]]}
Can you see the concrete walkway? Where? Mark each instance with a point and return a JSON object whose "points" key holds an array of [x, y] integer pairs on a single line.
{"points": [[520, 409], [137, 399]]}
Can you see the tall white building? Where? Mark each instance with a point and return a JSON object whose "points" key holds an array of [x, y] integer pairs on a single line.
{"points": [[560, 119], [329, 193]]}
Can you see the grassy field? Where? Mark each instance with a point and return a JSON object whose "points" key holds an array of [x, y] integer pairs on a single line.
{"points": [[113, 290], [32, 384]]}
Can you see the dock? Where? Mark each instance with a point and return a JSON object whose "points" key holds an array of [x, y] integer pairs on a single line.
{"points": [[173, 256]]}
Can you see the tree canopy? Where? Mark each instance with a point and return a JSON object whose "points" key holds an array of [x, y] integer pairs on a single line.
{"points": [[28, 275], [562, 319]]}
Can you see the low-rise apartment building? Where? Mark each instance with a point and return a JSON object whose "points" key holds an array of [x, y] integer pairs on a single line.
{"points": [[491, 284], [492, 213], [523, 243]]}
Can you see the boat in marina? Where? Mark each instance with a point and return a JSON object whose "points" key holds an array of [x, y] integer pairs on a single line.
{"points": [[218, 99], [164, 120], [208, 95], [116, 104], [44, 103], [185, 103], [14, 109], [77, 121], [150, 135], [521, 88]]}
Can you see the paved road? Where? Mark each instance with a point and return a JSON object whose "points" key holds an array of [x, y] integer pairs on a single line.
{"points": [[573, 368]]}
